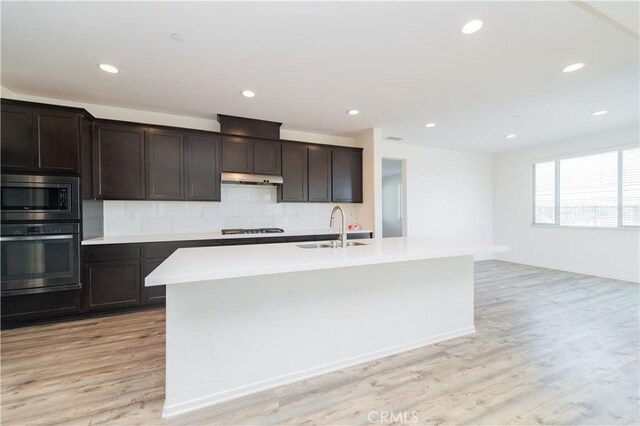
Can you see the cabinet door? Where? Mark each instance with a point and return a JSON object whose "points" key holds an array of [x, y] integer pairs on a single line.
{"points": [[203, 168], [294, 173], [165, 165], [156, 294], [58, 140], [346, 175], [112, 284], [17, 140], [119, 162], [266, 158], [237, 155], [319, 174]]}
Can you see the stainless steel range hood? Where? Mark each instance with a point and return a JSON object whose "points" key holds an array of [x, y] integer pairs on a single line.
{"points": [[250, 179]]}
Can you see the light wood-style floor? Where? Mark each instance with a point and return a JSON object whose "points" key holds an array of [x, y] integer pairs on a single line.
{"points": [[551, 348]]}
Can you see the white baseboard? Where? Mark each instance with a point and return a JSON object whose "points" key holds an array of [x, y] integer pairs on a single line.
{"points": [[217, 398]]}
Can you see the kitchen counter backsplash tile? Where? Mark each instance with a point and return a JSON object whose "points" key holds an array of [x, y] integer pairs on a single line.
{"points": [[241, 207]]}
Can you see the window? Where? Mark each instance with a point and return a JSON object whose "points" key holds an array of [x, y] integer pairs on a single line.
{"points": [[589, 190], [597, 190], [545, 194], [631, 187]]}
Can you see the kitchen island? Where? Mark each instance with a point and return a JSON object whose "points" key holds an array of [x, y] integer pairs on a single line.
{"points": [[243, 319]]}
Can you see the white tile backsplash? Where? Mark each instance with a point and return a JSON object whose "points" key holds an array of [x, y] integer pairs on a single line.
{"points": [[241, 207]]}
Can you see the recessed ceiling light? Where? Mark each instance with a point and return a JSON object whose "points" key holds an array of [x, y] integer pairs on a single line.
{"points": [[248, 94], [353, 112], [109, 68], [429, 125], [510, 136], [600, 112], [472, 26], [176, 37], [573, 67]]}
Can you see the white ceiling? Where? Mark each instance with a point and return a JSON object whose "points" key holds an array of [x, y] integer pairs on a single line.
{"points": [[400, 64]]}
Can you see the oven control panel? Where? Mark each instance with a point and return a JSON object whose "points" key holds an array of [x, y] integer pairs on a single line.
{"points": [[39, 229]]}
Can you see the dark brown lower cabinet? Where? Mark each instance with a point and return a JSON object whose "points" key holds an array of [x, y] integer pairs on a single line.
{"points": [[111, 276], [113, 280], [155, 294], [112, 284]]}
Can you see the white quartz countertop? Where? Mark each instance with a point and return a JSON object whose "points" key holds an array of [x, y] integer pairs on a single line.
{"points": [[190, 265], [217, 235]]}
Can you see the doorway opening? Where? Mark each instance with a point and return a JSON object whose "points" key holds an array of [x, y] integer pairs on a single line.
{"points": [[393, 198]]}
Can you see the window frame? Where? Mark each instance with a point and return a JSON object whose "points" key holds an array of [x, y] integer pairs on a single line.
{"points": [[618, 150]]}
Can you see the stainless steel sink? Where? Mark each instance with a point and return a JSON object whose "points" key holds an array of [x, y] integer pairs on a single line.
{"points": [[330, 244], [313, 246], [355, 243]]}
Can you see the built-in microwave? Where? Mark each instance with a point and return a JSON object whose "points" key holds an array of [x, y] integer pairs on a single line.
{"points": [[35, 197]]}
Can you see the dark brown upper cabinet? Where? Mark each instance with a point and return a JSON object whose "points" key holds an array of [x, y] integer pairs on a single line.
{"points": [[237, 155], [294, 173], [266, 158], [346, 168], [246, 155], [40, 140], [165, 165], [202, 164], [243, 126], [19, 151], [319, 174], [58, 140], [119, 162]]}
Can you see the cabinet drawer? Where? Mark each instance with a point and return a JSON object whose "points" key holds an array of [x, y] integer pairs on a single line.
{"points": [[111, 252], [32, 306]]}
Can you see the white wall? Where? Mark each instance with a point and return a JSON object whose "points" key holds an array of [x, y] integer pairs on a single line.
{"points": [[613, 253], [448, 193]]}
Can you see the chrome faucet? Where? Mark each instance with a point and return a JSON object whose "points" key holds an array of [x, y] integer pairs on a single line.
{"points": [[343, 235]]}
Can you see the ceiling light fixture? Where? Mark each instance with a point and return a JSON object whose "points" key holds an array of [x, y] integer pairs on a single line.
{"points": [[603, 112], [472, 26], [510, 136], [176, 37], [353, 112], [109, 68], [429, 125], [248, 94], [573, 67]]}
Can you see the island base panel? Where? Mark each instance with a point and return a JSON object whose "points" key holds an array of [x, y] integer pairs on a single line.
{"points": [[233, 337]]}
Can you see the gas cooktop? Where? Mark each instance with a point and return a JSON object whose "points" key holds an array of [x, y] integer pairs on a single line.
{"points": [[252, 231]]}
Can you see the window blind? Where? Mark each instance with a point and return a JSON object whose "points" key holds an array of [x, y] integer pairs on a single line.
{"points": [[596, 190], [545, 193], [631, 187], [589, 190]]}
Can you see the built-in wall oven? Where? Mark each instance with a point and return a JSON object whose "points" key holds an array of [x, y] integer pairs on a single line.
{"points": [[39, 258], [35, 197]]}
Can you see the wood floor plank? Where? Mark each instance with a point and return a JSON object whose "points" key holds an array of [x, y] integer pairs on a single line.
{"points": [[551, 347]]}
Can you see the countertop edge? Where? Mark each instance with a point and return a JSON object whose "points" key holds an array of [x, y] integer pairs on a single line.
{"points": [[168, 238], [272, 270]]}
